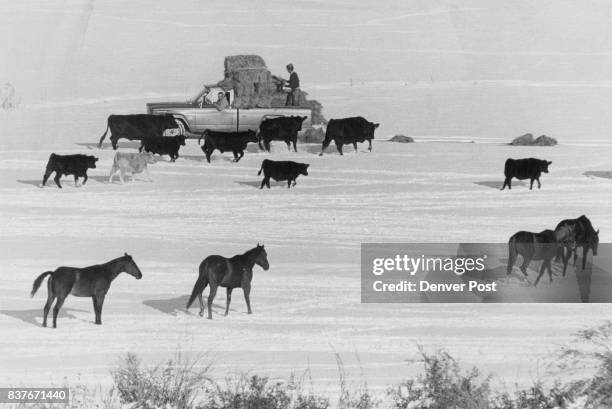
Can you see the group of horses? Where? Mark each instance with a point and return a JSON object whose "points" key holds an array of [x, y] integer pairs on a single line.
{"points": [[94, 281], [559, 244]]}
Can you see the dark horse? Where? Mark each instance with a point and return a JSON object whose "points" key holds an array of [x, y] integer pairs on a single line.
{"points": [[538, 246], [235, 272], [92, 281], [586, 237]]}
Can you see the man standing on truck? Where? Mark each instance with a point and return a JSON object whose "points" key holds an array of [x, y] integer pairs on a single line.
{"points": [[293, 97]]}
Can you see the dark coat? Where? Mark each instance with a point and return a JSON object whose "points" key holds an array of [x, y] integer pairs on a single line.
{"points": [[137, 127], [76, 165], [349, 131], [282, 170], [529, 168], [164, 145], [284, 128], [235, 142]]}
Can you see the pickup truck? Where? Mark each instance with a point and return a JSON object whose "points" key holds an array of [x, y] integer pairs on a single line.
{"points": [[199, 113]]}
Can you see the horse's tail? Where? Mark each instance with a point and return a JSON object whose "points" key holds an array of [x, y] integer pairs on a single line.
{"points": [[104, 134], [512, 253], [197, 289], [39, 281]]}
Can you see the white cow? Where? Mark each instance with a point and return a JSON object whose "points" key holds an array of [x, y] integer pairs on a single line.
{"points": [[131, 163]]}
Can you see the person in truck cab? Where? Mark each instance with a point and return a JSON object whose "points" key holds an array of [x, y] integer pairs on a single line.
{"points": [[221, 103], [293, 98]]}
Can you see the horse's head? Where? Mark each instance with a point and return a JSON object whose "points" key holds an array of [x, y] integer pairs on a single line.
{"points": [[566, 234], [261, 257], [130, 267], [595, 242]]}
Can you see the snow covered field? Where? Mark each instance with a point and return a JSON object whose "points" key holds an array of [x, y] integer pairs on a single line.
{"points": [[307, 306]]}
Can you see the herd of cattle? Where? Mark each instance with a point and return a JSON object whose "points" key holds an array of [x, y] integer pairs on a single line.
{"points": [[149, 130]]}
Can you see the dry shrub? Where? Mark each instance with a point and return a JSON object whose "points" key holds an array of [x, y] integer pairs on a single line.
{"points": [[529, 140], [312, 135], [402, 139]]}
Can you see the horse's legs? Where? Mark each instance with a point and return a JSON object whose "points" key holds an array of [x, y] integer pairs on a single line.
{"points": [[100, 302], [526, 261], [50, 299], [228, 300], [211, 297], [585, 252], [540, 274], [247, 297], [58, 305], [95, 307]]}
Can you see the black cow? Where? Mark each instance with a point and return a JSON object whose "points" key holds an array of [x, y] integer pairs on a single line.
{"points": [[76, 165], [235, 142], [281, 170], [163, 145], [349, 131], [529, 168], [137, 127], [284, 128]]}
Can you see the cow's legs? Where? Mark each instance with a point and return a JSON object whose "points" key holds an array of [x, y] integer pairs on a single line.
{"points": [[324, 146], [531, 184], [228, 300], [339, 147], [289, 184], [141, 146], [267, 145], [369, 145], [46, 177], [76, 181], [133, 176], [288, 145], [56, 179], [85, 178], [211, 297], [122, 176], [507, 182], [294, 144], [355, 145], [148, 174], [268, 182], [539, 184]]}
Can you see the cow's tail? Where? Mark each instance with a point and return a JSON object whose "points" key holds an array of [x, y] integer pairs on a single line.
{"points": [[197, 289], [39, 281], [104, 134], [508, 168], [261, 168], [327, 139]]}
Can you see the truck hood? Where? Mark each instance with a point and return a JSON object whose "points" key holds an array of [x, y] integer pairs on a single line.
{"points": [[157, 106]]}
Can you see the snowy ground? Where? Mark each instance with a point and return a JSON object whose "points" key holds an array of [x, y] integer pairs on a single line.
{"points": [[485, 72], [307, 306]]}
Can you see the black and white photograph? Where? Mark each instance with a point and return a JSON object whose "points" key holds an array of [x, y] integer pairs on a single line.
{"points": [[305, 204]]}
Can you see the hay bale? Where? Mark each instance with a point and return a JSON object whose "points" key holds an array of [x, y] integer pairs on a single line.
{"points": [[526, 140], [544, 140], [312, 135], [402, 139], [237, 62]]}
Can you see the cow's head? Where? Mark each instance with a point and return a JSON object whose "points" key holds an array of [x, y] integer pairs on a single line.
{"points": [[544, 165], [180, 139], [148, 157], [91, 162], [304, 169], [370, 128], [251, 136], [297, 121], [170, 121]]}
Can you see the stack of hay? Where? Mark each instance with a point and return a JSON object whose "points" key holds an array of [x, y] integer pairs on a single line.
{"points": [[529, 140], [255, 87]]}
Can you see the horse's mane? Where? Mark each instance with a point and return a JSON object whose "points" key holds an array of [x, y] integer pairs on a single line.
{"points": [[116, 259]]}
